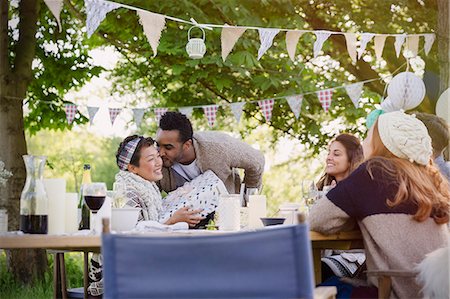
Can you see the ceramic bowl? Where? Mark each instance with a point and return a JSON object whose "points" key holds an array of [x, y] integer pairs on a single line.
{"points": [[124, 219], [272, 221]]}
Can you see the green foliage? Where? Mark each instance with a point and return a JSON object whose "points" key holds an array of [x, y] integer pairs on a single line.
{"points": [[11, 289]]}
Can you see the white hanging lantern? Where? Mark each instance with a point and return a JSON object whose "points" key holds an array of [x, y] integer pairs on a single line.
{"points": [[406, 90], [196, 47]]}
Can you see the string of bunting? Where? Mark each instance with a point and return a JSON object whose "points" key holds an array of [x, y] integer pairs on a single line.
{"points": [[210, 111], [153, 24]]}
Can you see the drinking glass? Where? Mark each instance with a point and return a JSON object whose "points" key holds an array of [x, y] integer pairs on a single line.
{"points": [[310, 192], [94, 196]]}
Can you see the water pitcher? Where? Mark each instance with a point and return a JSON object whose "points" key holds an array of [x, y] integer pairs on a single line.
{"points": [[34, 201]]}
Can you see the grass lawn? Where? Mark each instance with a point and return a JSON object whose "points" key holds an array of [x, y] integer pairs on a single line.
{"points": [[11, 289]]}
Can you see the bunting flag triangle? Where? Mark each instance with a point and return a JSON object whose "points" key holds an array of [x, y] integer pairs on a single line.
{"points": [[153, 24], [113, 112], [350, 39], [138, 114], [429, 40], [96, 11], [295, 102], [71, 110], [236, 108], [325, 98], [229, 37], [379, 42], [292, 37], [210, 113], [412, 44], [55, 7], [266, 107], [159, 112], [399, 41], [365, 39], [92, 111], [354, 92], [321, 37], [186, 111], [266, 37]]}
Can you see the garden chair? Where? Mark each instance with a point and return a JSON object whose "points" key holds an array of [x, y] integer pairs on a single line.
{"points": [[269, 263]]}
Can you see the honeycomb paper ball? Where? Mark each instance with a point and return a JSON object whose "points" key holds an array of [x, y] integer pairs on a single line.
{"points": [[406, 91]]}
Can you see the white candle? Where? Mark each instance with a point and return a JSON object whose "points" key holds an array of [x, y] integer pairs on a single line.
{"points": [[256, 210], [71, 217], [229, 212], [56, 193]]}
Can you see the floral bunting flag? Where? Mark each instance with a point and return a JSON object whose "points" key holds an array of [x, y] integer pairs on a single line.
{"points": [[138, 114], [412, 44], [159, 112], [210, 113], [365, 39], [92, 111], [236, 108], [350, 39], [266, 107], [229, 37], [96, 11], [429, 40], [379, 42], [71, 110], [292, 37], [295, 102], [186, 111], [55, 7], [354, 92], [325, 98], [266, 37], [153, 24], [113, 112], [321, 37], [399, 41]]}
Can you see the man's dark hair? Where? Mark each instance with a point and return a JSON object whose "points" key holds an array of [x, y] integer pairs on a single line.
{"points": [[143, 143], [437, 129], [177, 121]]}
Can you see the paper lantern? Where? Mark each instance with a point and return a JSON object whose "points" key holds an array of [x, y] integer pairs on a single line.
{"points": [[196, 47], [443, 106], [406, 91]]}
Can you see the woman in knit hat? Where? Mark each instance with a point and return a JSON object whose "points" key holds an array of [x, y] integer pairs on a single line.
{"points": [[398, 198]]}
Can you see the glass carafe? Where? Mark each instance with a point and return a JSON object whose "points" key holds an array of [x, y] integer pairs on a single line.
{"points": [[34, 201]]}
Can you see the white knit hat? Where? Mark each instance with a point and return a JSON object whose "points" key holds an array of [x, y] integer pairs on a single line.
{"points": [[405, 136]]}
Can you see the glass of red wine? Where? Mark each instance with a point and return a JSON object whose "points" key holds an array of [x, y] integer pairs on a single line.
{"points": [[94, 196]]}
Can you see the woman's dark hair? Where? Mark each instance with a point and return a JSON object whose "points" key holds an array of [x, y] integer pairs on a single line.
{"points": [[143, 143], [172, 120], [354, 153]]}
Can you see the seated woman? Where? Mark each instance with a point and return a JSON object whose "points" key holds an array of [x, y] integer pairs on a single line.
{"points": [[398, 197], [345, 154], [140, 166]]}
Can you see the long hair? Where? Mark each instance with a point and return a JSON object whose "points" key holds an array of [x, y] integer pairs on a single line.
{"points": [[354, 153], [421, 184]]}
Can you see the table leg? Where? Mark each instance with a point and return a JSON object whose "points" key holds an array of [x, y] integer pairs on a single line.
{"points": [[86, 273], [317, 255], [56, 277]]}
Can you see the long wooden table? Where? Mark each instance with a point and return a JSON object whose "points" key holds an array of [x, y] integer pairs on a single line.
{"points": [[91, 243]]}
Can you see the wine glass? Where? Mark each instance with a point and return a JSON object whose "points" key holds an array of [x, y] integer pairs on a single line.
{"points": [[94, 195], [309, 192]]}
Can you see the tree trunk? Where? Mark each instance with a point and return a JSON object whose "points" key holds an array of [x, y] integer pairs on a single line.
{"points": [[26, 265], [443, 38]]}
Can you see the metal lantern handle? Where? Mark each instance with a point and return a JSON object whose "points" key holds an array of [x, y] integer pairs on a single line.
{"points": [[189, 32]]}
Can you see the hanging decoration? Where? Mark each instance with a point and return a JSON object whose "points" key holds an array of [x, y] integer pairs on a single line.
{"points": [[266, 37], [186, 111], [379, 42], [159, 112], [350, 39], [354, 92], [196, 47], [153, 24], [138, 114], [429, 40], [295, 103], [210, 113], [405, 91], [96, 11], [92, 111], [266, 107], [113, 113], [229, 37], [237, 108], [365, 39], [55, 7], [412, 44], [325, 98], [71, 110], [399, 41], [321, 37], [292, 37]]}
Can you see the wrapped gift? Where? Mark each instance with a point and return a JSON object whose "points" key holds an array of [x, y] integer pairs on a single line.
{"points": [[203, 192]]}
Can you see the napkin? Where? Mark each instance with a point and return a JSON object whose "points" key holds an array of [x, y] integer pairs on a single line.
{"points": [[154, 226]]}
